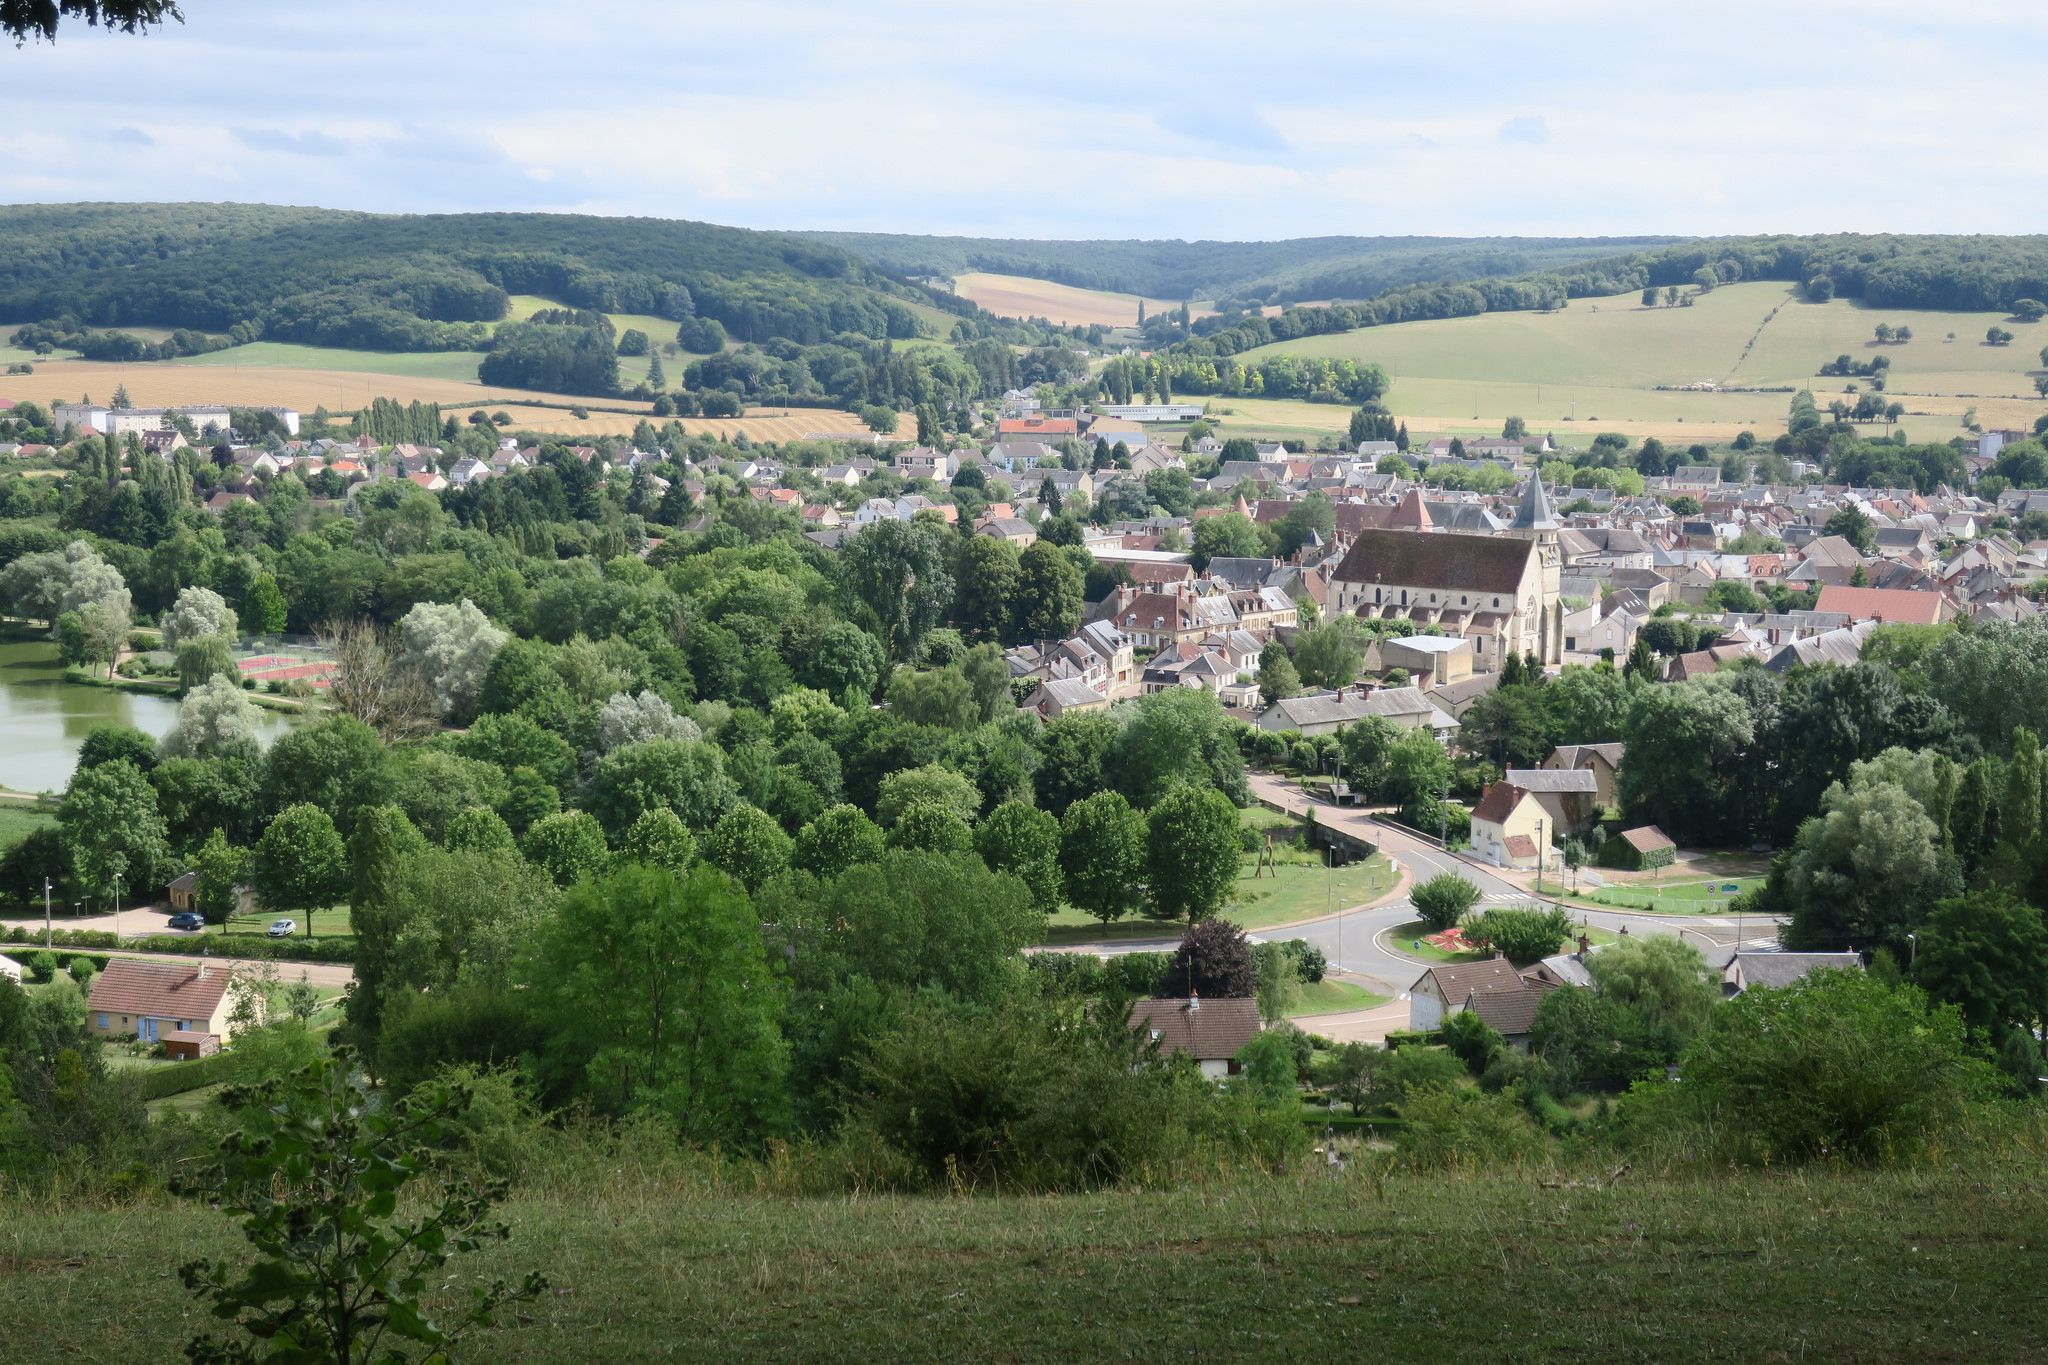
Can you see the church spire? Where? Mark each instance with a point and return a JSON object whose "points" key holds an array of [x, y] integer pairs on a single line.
{"points": [[1534, 513]]}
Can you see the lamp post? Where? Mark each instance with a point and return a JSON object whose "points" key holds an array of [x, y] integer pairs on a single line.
{"points": [[1539, 856], [1912, 949], [48, 938], [117, 907]]}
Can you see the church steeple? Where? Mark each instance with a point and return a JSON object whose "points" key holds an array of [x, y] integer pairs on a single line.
{"points": [[1534, 513]]}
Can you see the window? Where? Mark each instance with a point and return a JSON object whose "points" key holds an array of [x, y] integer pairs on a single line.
{"points": [[99, 1021]]}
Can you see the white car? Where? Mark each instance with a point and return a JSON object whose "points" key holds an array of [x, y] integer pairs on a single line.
{"points": [[282, 928]]}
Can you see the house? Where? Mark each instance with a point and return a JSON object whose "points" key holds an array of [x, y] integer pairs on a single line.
{"points": [[1325, 713], [1056, 697], [1889, 606], [1016, 530], [184, 891], [134, 998], [1602, 760], [1510, 827], [1746, 969], [1213, 1032], [1571, 796], [1442, 991], [1511, 1014], [1037, 427], [10, 970]]}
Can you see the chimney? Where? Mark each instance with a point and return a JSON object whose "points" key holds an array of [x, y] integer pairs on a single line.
{"points": [[202, 971], [1194, 1000], [1585, 946]]}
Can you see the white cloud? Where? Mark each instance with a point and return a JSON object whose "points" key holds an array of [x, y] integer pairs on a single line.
{"points": [[1498, 116]]}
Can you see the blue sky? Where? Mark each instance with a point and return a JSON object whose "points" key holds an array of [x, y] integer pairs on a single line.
{"points": [[1131, 118]]}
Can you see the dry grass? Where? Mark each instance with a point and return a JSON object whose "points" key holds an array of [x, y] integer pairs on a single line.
{"points": [[1015, 296]]}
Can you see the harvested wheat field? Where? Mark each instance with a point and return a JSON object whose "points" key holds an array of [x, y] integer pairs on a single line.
{"points": [[1016, 296], [159, 384]]}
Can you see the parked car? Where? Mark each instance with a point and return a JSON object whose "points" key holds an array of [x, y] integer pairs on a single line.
{"points": [[282, 928], [188, 919]]}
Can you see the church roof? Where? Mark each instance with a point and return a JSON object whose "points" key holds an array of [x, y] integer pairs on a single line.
{"points": [[1534, 513], [1438, 560]]}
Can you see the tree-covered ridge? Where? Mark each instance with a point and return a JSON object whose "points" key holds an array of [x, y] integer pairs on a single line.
{"points": [[423, 282], [1277, 271]]}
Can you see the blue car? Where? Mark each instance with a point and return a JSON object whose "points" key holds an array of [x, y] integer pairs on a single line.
{"points": [[188, 919]]}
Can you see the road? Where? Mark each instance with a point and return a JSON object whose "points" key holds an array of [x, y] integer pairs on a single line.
{"points": [[1356, 941], [148, 922]]}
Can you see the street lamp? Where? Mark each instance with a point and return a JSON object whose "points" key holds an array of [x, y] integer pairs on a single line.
{"points": [[47, 936], [1539, 855], [117, 907], [1912, 949]]}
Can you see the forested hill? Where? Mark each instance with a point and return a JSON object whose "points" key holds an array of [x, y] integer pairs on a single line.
{"points": [[423, 282], [1270, 272]]}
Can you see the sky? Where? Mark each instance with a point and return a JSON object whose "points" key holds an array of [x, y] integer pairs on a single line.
{"points": [[1123, 119]]}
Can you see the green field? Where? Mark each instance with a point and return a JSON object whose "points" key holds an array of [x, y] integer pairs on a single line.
{"points": [[1599, 360], [18, 821], [1827, 1264], [283, 355]]}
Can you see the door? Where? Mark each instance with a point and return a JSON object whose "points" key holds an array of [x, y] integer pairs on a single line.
{"points": [[146, 1029]]}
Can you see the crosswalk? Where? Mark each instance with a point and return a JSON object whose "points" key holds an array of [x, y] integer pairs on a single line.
{"points": [[1507, 896]]}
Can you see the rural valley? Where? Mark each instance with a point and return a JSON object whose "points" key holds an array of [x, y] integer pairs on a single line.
{"points": [[797, 703]]}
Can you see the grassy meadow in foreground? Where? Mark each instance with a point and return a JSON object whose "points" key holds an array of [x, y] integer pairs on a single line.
{"points": [[1936, 1265]]}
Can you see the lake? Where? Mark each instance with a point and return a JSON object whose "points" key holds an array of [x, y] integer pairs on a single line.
{"points": [[44, 720]]}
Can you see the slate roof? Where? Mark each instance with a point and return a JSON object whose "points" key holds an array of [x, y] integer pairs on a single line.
{"points": [[1439, 560], [1554, 779], [1747, 969]]}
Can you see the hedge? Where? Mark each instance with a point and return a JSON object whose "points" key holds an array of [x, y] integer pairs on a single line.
{"points": [[175, 1078], [341, 948], [22, 955]]}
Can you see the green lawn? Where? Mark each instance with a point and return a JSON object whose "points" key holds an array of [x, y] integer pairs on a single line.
{"points": [[18, 821], [1825, 1264], [1406, 939], [1687, 898], [1297, 888], [326, 923], [459, 366], [1331, 996]]}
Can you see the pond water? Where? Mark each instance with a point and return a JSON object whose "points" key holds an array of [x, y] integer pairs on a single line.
{"points": [[44, 720]]}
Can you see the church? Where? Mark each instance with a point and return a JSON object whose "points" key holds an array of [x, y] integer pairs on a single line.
{"points": [[1502, 592]]}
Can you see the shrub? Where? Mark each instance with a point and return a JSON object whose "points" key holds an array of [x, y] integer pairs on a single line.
{"points": [[42, 967], [1526, 934], [1309, 960], [1839, 1065], [1412, 1069], [1448, 1129], [1472, 1041], [1443, 900], [81, 970]]}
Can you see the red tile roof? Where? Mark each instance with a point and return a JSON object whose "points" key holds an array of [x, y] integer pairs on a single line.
{"points": [[1889, 605], [1498, 803], [158, 990]]}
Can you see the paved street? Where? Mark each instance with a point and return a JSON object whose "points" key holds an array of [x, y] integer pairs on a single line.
{"points": [[1356, 941]]}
